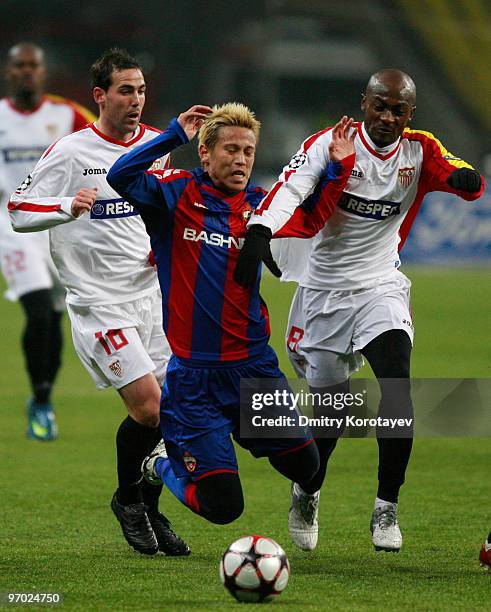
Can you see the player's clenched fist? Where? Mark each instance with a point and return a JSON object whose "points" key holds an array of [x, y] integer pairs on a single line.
{"points": [[83, 201], [192, 119]]}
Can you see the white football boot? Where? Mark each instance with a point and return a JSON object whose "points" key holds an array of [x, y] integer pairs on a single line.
{"points": [[384, 526], [148, 464], [302, 519]]}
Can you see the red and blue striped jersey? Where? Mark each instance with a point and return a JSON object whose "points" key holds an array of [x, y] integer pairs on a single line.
{"points": [[196, 232]]}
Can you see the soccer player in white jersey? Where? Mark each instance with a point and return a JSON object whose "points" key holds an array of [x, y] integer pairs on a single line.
{"points": [[30, 121], [102, 253], [352, 300]]}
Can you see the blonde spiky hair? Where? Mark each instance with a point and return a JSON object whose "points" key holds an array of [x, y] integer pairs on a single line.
{"points": [[230, 114]]}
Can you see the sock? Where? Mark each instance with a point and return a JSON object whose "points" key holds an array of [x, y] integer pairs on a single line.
{"points": [[42, 392], [325, 447], [151, 494], [133, 443], [56, 344], [379, 503], [36, 342]]}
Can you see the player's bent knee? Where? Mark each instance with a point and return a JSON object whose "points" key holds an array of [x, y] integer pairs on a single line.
{"points": [[225, 514], [220, 498], [145, 412], [150, 418]]}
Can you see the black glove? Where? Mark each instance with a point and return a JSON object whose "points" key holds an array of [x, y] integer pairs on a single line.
{"points": [[465, 179], [254, 250]]}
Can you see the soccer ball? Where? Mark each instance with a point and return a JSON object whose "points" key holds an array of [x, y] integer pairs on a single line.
{"points": [[254, 569]]}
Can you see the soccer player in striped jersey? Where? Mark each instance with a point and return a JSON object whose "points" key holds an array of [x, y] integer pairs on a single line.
{"points": [[217, 330], [30, 121], [352, 300], [101, 250]]}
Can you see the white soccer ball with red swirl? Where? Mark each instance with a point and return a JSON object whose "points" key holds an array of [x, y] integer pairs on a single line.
{"points": [[255, 569]]}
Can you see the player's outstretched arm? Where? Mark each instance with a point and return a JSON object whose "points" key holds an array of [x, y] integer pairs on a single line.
{"points": [[466, 179], [129, 176], [443, 171], [311, 216], [296, 183], [41, 201]]}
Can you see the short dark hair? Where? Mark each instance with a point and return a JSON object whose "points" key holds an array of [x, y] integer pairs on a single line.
{"points": [[112, 59]]}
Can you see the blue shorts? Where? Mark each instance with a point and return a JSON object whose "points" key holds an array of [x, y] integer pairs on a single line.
{"points": [[200, 413]]}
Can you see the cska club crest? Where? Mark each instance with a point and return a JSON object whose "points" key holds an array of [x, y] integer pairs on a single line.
{"points": [[406, 175], [247, 214], [115, 368], [189, 461]]}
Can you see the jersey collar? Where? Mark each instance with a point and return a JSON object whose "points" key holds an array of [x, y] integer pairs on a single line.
{"points": [[138, 135], [233, 201], [380, 152], [11, 104]]}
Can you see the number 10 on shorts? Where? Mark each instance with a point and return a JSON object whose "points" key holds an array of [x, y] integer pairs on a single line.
{"points": [[112, 341]]}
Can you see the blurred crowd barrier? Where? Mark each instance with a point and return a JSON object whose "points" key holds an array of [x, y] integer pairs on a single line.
{"points": [[449, 230]]}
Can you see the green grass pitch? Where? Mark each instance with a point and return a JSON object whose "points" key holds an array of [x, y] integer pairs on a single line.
{"points": [[59, 535]]}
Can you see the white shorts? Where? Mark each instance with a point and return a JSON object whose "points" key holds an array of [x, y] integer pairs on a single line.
{"points": [[327, 329], [27, 266], [121, 343]]}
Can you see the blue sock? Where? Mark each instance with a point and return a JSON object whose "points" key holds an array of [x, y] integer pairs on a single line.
{"points": [[177, 486]]}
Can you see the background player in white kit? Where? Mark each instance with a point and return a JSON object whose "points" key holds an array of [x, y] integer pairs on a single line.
{"points": [[351, 297], [101, 250], [29, 122]]}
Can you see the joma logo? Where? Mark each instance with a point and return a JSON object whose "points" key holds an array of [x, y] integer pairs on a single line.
{"points": [[94, 171]]}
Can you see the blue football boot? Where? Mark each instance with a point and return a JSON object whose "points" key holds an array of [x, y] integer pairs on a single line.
{"points": [[41, 421]]}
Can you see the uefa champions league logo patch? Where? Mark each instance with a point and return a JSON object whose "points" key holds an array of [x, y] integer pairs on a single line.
{"points": [[296, 161], [97, 209], [25, 184], [189, 461]]}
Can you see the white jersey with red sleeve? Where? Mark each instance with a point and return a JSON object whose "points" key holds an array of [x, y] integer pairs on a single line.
{"points": [[25, 135], [103, 256], [359, 245]]}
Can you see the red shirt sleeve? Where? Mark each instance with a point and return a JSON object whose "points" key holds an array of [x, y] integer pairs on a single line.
{"points": [[438, 165], [81, 117]]}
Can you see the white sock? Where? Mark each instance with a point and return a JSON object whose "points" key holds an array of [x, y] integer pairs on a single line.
{"points": [[379, 503]]}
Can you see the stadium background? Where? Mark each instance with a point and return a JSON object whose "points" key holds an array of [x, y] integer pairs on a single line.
{"points": [[299, 67]]}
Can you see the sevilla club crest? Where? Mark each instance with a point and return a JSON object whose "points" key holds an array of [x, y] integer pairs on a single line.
{"points": [[116, 368], [406, 175]]}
